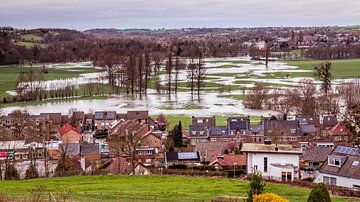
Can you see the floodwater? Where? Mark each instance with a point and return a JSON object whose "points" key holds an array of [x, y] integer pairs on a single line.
{"points": [[210, 102]]}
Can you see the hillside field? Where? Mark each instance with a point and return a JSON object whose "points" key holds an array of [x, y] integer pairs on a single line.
{"points": [[162, 187]]}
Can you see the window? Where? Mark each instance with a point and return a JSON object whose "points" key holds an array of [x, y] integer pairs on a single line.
{"points": [[329, 180], [255, 167], [286, 176], [335, 162], [293, 131], [265, 164]]}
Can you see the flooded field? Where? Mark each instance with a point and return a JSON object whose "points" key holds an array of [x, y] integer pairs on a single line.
{"points": [[234, 73]]}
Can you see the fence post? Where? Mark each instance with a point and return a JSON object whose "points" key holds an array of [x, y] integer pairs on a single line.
{"points": [[49, 196], [101, 196]]}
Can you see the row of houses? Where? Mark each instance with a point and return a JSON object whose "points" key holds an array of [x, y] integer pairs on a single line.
{"points": [[284, 150]]}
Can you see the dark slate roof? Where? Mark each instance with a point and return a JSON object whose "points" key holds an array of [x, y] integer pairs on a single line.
{"points": [[330, 121], [71, 149], [105, 115], [204, 121], [257, 129], [238, 123], [309, 120], [89, 148], [350, 167], [268, 123], [198, 129], [305, 128], [182, 157], [218, 131], [134, 115], [316, 154]]}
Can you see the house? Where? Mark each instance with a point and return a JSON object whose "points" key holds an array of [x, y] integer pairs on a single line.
{"points": [[182, 157], [203, 121], [198, 131], [141, 116], [277, 162], [103, 119], [69, 149], [229, 161], [287, 131], [256, 134], [69, 134], [239, 125], [342, 168], [329, 121], [55, 118], [90, 151], [141, 169], [119, 166], [314, 157], [339, 133]]}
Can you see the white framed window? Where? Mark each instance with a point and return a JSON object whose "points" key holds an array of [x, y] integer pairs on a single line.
{"points": [[329, 180], [334, 162]]}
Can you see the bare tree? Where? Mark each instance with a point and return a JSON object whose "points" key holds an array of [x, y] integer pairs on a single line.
{"points": [[256, 97], [124, 143]]}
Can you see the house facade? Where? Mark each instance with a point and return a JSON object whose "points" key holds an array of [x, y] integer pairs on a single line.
{"points": [[277, 162], [342, 168]]}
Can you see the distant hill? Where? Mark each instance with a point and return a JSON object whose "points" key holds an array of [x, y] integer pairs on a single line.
{"points": [[40, 37]]}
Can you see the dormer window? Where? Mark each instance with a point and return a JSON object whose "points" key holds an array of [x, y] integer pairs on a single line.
{"points": [[335, 162]]}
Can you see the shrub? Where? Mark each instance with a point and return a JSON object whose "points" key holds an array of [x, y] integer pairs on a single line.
{"points": [[319, 194], [11, 172], [31, 172], [256, 186], [269, 197]]}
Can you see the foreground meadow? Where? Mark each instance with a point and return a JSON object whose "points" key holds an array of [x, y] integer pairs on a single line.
{"points": [[172, 188]]}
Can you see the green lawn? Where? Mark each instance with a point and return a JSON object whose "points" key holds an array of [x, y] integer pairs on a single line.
{"points": [[30, 44], [341, 69], [174, 119], [169, 188], [9, 75], [31, 37]]}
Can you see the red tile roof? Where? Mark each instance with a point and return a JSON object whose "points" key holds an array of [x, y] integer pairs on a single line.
{"points": [[66, 128], [230, 160], [339, 129]]}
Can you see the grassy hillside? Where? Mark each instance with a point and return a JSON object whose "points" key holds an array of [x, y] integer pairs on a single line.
{"points": [[162, 187]]}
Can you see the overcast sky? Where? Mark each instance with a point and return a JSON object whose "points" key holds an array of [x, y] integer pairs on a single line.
{"points": [[87, 14]]}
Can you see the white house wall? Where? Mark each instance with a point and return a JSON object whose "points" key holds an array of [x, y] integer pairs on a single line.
{"points": [[340, 181], [278, 158]]}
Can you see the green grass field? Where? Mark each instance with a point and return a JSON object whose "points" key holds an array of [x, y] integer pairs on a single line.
{"points": [[341, 69], [31, 37], [9, 75], [163, 187], [174, 119], [30, 44]]}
